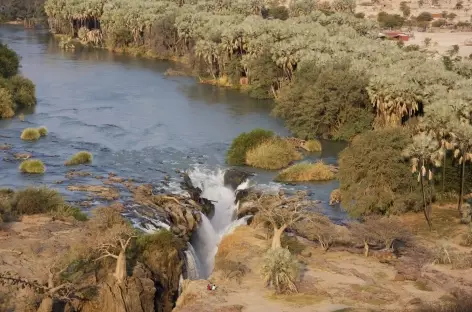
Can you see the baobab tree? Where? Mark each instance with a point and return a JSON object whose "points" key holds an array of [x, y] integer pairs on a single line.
{"points": [[282, 212], [113, 244]]}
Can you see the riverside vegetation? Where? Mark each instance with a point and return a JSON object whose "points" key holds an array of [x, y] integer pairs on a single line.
{"points": [[407, 117], [16, 92]]}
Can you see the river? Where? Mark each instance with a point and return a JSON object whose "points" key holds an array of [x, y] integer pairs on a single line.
{"points": [[137, 122]]}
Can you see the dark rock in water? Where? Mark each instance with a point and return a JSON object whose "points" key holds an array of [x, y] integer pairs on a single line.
{"points": [[195, 194], [234, 177], [240, 195]]}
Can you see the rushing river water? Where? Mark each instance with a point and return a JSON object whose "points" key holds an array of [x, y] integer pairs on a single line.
{"points": [[136, 121]]}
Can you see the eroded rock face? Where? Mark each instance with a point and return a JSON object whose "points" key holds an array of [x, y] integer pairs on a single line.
{"points": [[234, 177], [133, 295]]}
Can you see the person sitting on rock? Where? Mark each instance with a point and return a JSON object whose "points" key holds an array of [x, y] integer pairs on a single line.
{"points": [[209, 287], [213, 287]]}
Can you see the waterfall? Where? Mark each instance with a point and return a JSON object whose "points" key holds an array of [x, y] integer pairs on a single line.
{"points": [[209, 233], [192, 264]]}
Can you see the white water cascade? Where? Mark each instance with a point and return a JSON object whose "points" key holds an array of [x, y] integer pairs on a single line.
{"points": [[207, 237]]}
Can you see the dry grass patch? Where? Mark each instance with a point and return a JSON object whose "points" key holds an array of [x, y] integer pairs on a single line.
{"points": [[30, 134], [82, 157], [305, 171], [312, 146], [34, 166], [335, 197], [272, 154]]}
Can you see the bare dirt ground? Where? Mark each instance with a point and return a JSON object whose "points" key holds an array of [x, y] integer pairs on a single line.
{"points": [[338, 280], [331, 281], [28, 249], [441, 42]]}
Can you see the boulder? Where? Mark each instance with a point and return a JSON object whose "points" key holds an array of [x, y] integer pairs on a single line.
{"points": [[234, 177], [247, 208]]}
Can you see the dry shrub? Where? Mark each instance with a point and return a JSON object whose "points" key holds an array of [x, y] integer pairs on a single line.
{"points": [[231, 269], [467, 238], [292, 244], [312, 146], [379, 231], [272, 154], [305, 171], [65, 211], [319, 228], [82, 157], [34, 166], [335, 197], [462, 261], [280, 270], [462, 304], [107, 217], [441, 255], [30, 134], [43, 131]]}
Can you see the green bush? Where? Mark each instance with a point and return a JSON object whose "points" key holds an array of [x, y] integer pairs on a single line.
{"points": [[9, 61], [33, 166], [43, 131], [30, 134], [236, 154], [272, 154], [23, 90], [7, 105], [329, 101], [82, 157], [34, 200], [279, 12], [280, 270], [390, 20], [374, 177]]}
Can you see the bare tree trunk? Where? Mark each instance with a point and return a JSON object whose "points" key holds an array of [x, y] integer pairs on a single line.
{"points": [[120, 269], [366, 249], [276, 239], [425, 205], [444, 174], [461, 190]]}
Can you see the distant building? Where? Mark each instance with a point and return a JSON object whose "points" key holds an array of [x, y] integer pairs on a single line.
{"points": [[394, 35]]}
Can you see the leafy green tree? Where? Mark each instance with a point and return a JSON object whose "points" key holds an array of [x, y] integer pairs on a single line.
{"points": [[9, 61], [327, 101], [424, 17], [374, 176]]}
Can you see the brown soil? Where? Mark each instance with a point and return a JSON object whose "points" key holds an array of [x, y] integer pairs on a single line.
{"points": [[337, 280]]}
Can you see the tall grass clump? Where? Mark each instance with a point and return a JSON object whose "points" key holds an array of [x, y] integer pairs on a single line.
{"points": [[43, 131], [35, 166], [34, 200], [305, 171], [280, 270], [6, 104], [236, 155], [272, 154], [30, 134], [82, 157], [313, 146]]}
